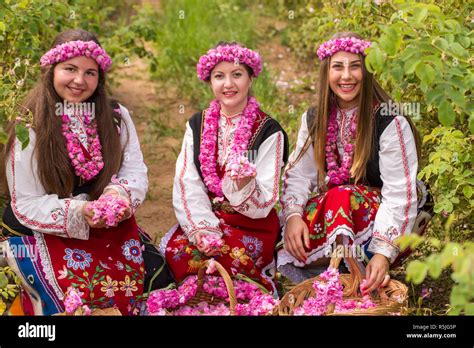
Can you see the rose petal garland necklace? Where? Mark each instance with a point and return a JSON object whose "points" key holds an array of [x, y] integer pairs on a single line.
{"points": [[339, 175], [84, 167], [207, 156]]}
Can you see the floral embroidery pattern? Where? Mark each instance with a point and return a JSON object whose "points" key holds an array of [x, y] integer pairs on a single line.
{"points": [[132, 251], [239, 256], [329, 215], [253, 245], [109, 286], [55, 213], [128, 286], [77, 259]]}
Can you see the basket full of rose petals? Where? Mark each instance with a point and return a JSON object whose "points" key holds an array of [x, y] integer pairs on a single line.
{"points": [[331, 293], [205, 294]]}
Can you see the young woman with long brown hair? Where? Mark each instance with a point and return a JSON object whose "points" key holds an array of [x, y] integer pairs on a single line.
{"points": [[82, 147], [352, 177]]}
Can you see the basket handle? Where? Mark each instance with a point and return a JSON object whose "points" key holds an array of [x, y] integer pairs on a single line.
{"points": [[355, 273], [227, 280]]}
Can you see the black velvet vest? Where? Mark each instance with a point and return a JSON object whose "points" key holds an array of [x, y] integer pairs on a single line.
{"points": [[372, 177], [266, 126]]}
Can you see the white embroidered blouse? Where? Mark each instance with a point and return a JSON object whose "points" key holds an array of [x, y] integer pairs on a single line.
{"points": [[191, 203], [398, 164], [47, 213]]}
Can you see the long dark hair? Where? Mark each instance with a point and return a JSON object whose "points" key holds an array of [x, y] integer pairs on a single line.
{"points": [[54, 170], [370, 92]]}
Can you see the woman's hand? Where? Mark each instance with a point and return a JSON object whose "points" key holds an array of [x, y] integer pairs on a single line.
{"points": [[203, 249], [241, 183], [376, 273], [89, 214], [124, 214], [297, 237]]}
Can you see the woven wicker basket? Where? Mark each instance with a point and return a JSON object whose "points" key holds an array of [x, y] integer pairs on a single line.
{"points": [[201, 295], [111, 311], [390, 300]]}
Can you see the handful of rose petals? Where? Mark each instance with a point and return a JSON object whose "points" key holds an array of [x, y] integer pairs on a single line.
{"points": [[240, 167], [211, 241], [107, 208], [73, 301]]}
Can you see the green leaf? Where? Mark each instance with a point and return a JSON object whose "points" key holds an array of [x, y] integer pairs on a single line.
{"points": [[391, 40], [467, 191], [458, 50], [436, 60], [397, 73], [446, 114], [449, 253], [469, 309], [416, 271], [471, 123], [456, 97], [409, 241], [425, 73], [420, 15], [458, 296], [434, 95], [411, 64], [442, 43], [2, 27], [22, 135], [3, 280], [434, 265], [434, 242], [374, 59]]}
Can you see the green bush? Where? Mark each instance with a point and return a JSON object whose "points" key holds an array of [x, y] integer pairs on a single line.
{"points": [[28, 27]]}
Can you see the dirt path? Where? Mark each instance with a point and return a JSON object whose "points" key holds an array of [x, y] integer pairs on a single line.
{"points": [[160, 127]]}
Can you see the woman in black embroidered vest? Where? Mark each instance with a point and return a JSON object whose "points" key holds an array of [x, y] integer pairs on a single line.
{"points": [[76, 153], [227, 175], [352, 176]]}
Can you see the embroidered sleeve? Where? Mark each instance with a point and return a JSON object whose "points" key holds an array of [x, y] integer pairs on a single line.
{"points": [[32, 206], [398, 167], [131, 182], [190, 200], [300, 177], [259, 196]]}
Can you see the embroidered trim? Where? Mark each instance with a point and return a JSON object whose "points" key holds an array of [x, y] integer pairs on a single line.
{"points": [[382, 246], [407, 176], [382, 236], [183, 189], [46, 265], [257, 131], [284, 257], [252, 191], [166, 238], [26, 220], [275, 181]]}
